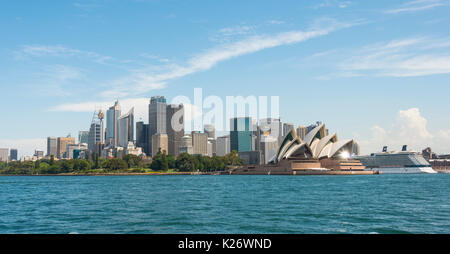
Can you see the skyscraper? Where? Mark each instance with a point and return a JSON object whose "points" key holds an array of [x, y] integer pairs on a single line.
{"points": [[62, 146], [200, 143], [4, 154], [142, 137], [241, 134], [302, 131], [112, 117], [271, 127], [287, 127], [175, 127], [96, 132], [210, 129], [159, 141], [83, 137], [125, 129], [13, 154], [52, 146], [223, 146], [156, 117], [269, 147]]}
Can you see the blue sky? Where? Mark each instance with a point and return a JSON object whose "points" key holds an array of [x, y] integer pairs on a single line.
{"points": [[376, 71]]}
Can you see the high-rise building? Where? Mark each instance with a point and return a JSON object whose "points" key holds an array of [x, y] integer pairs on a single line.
{"points": [[83, 137], [126, 129], [160, 141], [95, 138], [74, 150], [156, 117], [13, 155], [210, 130], [269, 148], [270, 127], [175, 127], [223, 146], [200, 143], [142, 137], [62, 146], [302, 131], [4, 154], [287, 127], [112, 117], [241, 135], [52, 147]]}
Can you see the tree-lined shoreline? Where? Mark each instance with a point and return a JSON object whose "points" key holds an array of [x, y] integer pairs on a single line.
{"points": [[161, 164]]}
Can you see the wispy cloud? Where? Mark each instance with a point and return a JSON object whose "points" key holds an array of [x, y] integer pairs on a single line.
{"points": [[141, 82], [419, 56], [332, 3], [58, 51], [417, 5]]}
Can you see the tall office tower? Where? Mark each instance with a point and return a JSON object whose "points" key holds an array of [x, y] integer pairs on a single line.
{"points": [[159, 141], [301, 132], [269, 148], [287, 127], [13, 154], [112, 117], [125, 128], [200, 143], [142, 137], [83, 137], [156, 117], [241, 134], [96, 132], [209, 148], [52, 147], [175, 127], [270, 127], [4, 154], [223, 146], [62, 146], [356, 149], [212, 147], [210, 130]]}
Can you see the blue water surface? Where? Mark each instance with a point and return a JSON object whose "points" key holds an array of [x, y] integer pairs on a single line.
{"points": [[225, 204]]}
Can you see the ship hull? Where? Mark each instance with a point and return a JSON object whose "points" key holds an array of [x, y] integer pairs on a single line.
{"points": [[405, 170]]}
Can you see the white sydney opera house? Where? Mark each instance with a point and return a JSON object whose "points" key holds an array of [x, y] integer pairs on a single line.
{"points": [[315, 145]]}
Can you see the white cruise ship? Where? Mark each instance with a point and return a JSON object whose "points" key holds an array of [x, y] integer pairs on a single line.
{"points": [[404, 162]]}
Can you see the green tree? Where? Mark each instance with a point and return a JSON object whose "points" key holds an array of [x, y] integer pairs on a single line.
{"points": [[132, 160], [160, 162], [116, 164]]}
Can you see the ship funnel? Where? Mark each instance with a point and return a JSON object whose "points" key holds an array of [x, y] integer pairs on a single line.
{"points": [[404, 148]]}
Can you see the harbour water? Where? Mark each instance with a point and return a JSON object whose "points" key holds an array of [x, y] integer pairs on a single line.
{"points": [[225, 204]]}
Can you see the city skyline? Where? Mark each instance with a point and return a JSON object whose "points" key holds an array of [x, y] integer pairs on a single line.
{"points": [[377, 72]]}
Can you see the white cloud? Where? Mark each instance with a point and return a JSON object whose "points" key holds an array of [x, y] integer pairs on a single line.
{"points": [[141, 82], [25, 147], [58, 51], [417, 5], [410, 128], [333, 3], [408, 57]]}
